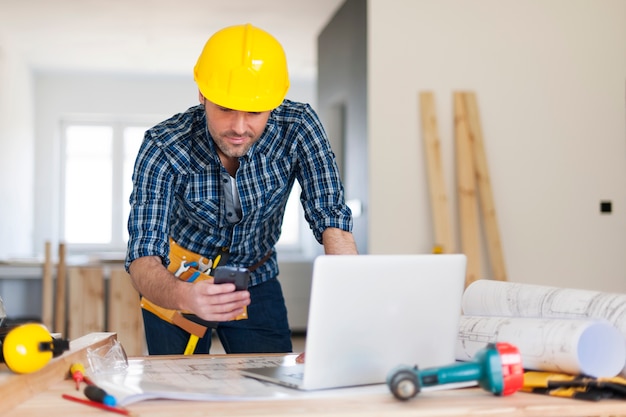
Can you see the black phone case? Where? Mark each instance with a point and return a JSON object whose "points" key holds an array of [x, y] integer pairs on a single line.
{"points": [[238, 276]]}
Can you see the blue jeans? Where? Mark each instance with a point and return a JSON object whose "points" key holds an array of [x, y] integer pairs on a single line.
{"points": [[266, 330]]}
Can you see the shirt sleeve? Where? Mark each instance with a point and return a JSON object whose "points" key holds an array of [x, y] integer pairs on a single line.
{"points": [[322, 194], [150, 203]]}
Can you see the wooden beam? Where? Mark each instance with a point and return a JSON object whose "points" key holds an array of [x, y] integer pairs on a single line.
{"points": [[60, 293], [485, 192], [124, 313], [466, 188], [47, 294], [444, 242], [86, 301]]}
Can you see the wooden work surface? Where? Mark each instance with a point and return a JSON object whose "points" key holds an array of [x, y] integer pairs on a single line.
{"points": [[461, 402], [39, 394]]}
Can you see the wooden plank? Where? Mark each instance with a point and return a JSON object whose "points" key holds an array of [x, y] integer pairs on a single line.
{"points": [[15, 388], [466, 188], [444, 241], [124, 313], [47, 295], [60, 293], [86, 301], [485, 192]]}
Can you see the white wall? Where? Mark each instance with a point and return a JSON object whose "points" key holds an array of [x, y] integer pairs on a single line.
{"points": [[550, 79], [16, 158]]}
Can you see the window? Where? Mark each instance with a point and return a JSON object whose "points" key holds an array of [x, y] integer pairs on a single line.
{"points": [[290, 234], [97, 181], [98, 161], [88, 184]]}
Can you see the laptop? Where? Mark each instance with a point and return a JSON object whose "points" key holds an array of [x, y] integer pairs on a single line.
{"points": [[371, 313]]}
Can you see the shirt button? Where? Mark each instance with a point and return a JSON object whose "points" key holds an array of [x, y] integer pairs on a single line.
{"points": [[229, 214]]}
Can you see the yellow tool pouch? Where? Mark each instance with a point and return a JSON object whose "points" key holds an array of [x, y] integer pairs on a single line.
{"points": [[186, 264]]}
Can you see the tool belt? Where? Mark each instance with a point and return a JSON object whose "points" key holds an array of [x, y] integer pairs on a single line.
{"points": [[192, 267]]}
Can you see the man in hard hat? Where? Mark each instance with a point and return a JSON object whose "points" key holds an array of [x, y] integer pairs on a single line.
{"points": [[211, 184]]}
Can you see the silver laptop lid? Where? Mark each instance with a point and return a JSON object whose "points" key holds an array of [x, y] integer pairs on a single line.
{"points": [[370, 313]]}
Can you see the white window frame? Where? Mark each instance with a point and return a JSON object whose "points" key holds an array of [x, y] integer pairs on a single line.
{"points": [[118, 242]]}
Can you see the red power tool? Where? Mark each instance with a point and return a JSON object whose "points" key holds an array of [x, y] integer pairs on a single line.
{"points": [[497, 368]]}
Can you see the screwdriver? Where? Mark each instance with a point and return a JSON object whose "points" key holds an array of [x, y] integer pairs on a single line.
{"points": [[99, 395], [77, 370]]}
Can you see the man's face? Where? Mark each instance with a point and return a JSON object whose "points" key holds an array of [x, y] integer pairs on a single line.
{"points": [[233, 131]]}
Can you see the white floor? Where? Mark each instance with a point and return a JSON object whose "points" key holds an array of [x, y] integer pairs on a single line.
{"points": [[297, 341]]}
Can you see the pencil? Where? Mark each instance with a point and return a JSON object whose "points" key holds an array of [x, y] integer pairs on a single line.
{"points": [[95, 404]]}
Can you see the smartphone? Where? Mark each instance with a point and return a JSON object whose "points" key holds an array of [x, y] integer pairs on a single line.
{"points": [[236, 275]]}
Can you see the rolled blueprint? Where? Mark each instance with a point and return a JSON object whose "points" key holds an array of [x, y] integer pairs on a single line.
{"points": [[507, 299], [589, 347]]}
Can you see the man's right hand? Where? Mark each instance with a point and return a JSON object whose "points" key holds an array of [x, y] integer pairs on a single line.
{"points": [[205, 299], [215, 302]]}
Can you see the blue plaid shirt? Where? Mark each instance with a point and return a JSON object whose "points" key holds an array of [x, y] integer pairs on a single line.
{"points": [[177, 188]]}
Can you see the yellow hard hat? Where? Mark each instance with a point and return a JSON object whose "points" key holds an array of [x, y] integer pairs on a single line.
{"points": [[243, 68]]}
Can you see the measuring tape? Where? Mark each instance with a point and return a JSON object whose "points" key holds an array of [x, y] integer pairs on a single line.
{"points": [[29, 347]]}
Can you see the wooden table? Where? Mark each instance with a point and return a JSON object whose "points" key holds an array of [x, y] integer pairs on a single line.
{"points": [[45, 399]]}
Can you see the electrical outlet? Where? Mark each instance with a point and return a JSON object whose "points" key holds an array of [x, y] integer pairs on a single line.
{"points": [[606, 207]]}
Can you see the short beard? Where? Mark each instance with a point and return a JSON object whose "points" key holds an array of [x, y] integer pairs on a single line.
{"points": [[233, 151]]}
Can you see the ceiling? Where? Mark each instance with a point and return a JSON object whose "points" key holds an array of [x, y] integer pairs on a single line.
{"points": [[151, 36]]}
